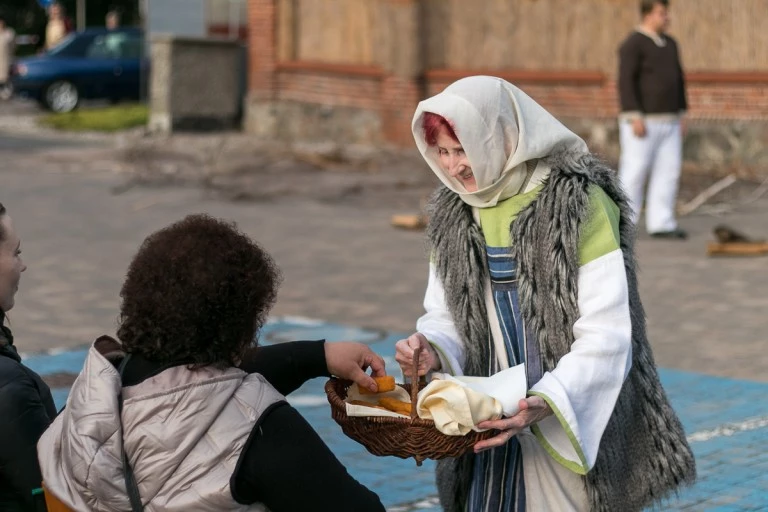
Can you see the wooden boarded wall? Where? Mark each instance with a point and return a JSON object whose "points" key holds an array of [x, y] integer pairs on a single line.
{"points": [[715, 35], [333, 31]]}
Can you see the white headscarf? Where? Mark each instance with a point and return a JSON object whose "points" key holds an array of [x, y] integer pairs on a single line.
{"points": [[500, 128]]}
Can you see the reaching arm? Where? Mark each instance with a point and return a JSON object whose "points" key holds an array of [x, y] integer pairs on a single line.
{"points": [[583, 388], [287, 365], [438, 327]]}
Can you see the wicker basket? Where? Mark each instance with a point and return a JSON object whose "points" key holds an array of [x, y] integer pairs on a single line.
{"points": [[398, 437]]}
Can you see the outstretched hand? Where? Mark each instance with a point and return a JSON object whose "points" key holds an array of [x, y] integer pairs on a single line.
{"points": [[532, 410], [349, 360]]}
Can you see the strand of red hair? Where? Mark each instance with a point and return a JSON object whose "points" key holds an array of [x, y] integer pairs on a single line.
{"points": [[432, 124]]}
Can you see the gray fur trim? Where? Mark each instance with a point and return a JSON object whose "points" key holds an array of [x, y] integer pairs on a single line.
{"points": [[454, 477], [457, 252], [643, 454]]}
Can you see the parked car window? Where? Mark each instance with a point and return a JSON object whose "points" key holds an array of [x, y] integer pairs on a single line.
{"points": [[133, 47], [115, 46], [104, 47]]}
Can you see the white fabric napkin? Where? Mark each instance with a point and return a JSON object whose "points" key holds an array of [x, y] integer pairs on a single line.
{"points": [[458, 404]]}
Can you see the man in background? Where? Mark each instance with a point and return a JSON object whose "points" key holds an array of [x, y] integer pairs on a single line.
{"points": [[7, 51], [652, 94]]}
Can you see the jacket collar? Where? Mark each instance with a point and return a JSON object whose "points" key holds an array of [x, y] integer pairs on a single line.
{"points": [[658, 39], [6, 341]]}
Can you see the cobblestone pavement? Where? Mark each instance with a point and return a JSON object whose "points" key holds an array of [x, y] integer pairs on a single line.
{"points": [[726, 421], [342, 261]]}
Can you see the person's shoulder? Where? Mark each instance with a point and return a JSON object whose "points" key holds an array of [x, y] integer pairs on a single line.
{"points": [[11, 370], [634, 38], [600, 233], [259, 389], [17, 382], [671, 41], [599, 198]]}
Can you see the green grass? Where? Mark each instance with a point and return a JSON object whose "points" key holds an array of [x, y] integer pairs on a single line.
{"points": [[107, 119]]}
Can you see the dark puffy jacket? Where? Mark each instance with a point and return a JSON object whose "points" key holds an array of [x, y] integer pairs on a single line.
{"points": [[26, 410]]}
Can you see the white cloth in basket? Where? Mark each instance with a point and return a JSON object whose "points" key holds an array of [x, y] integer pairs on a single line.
{"points": [[455, 404], [458, 404]]}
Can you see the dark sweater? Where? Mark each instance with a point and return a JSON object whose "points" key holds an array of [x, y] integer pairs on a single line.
{"points": [[651, 77], [284, 454], [26, 409]]}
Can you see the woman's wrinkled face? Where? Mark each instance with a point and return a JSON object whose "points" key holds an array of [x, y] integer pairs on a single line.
{"points": [[11, 265], [454, 161]]}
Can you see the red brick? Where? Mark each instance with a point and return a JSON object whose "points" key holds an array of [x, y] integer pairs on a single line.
{"points": [[565, 93]]}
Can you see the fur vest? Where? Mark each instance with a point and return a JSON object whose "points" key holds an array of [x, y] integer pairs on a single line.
{"points": [[643, 453]]}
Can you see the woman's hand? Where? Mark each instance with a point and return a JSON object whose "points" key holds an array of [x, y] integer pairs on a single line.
{"points": [[428, 359], [349, 360], [532, 410]]}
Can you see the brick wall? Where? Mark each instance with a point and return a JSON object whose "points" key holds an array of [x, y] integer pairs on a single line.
{"points": [[383, 97], [329, 84], [397, 105], [564, 93], [742, 96], [261, 49]]}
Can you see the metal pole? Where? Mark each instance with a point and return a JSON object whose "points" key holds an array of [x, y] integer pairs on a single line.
{"points": [[80, 15]]}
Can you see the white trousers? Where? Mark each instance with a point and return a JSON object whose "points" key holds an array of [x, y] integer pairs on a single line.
{"points": [[661, 153]]}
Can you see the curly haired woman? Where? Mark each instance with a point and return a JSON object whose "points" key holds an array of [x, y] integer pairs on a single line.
{"points": [[204, 425]]}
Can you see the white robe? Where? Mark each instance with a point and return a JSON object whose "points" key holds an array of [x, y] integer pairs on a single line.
{"points": [[583, 387]]}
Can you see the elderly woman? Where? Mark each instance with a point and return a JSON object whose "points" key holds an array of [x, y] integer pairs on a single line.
{"points": [[532, 262], [168, 419]]}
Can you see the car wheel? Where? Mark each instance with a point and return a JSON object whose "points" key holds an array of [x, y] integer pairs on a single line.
{"points": [[61, 96]]}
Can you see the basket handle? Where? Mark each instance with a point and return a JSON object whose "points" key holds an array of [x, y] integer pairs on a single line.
{"points": [[415, 382]]}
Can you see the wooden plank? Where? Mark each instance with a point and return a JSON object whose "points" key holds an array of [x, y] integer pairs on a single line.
{"points": [[737, 249], [286, 32]]}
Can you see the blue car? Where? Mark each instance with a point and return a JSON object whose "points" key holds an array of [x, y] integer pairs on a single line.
{"points": [[93, 64]]}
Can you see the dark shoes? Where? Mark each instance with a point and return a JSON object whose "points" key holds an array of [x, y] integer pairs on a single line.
{"points": [[675, 234]]}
